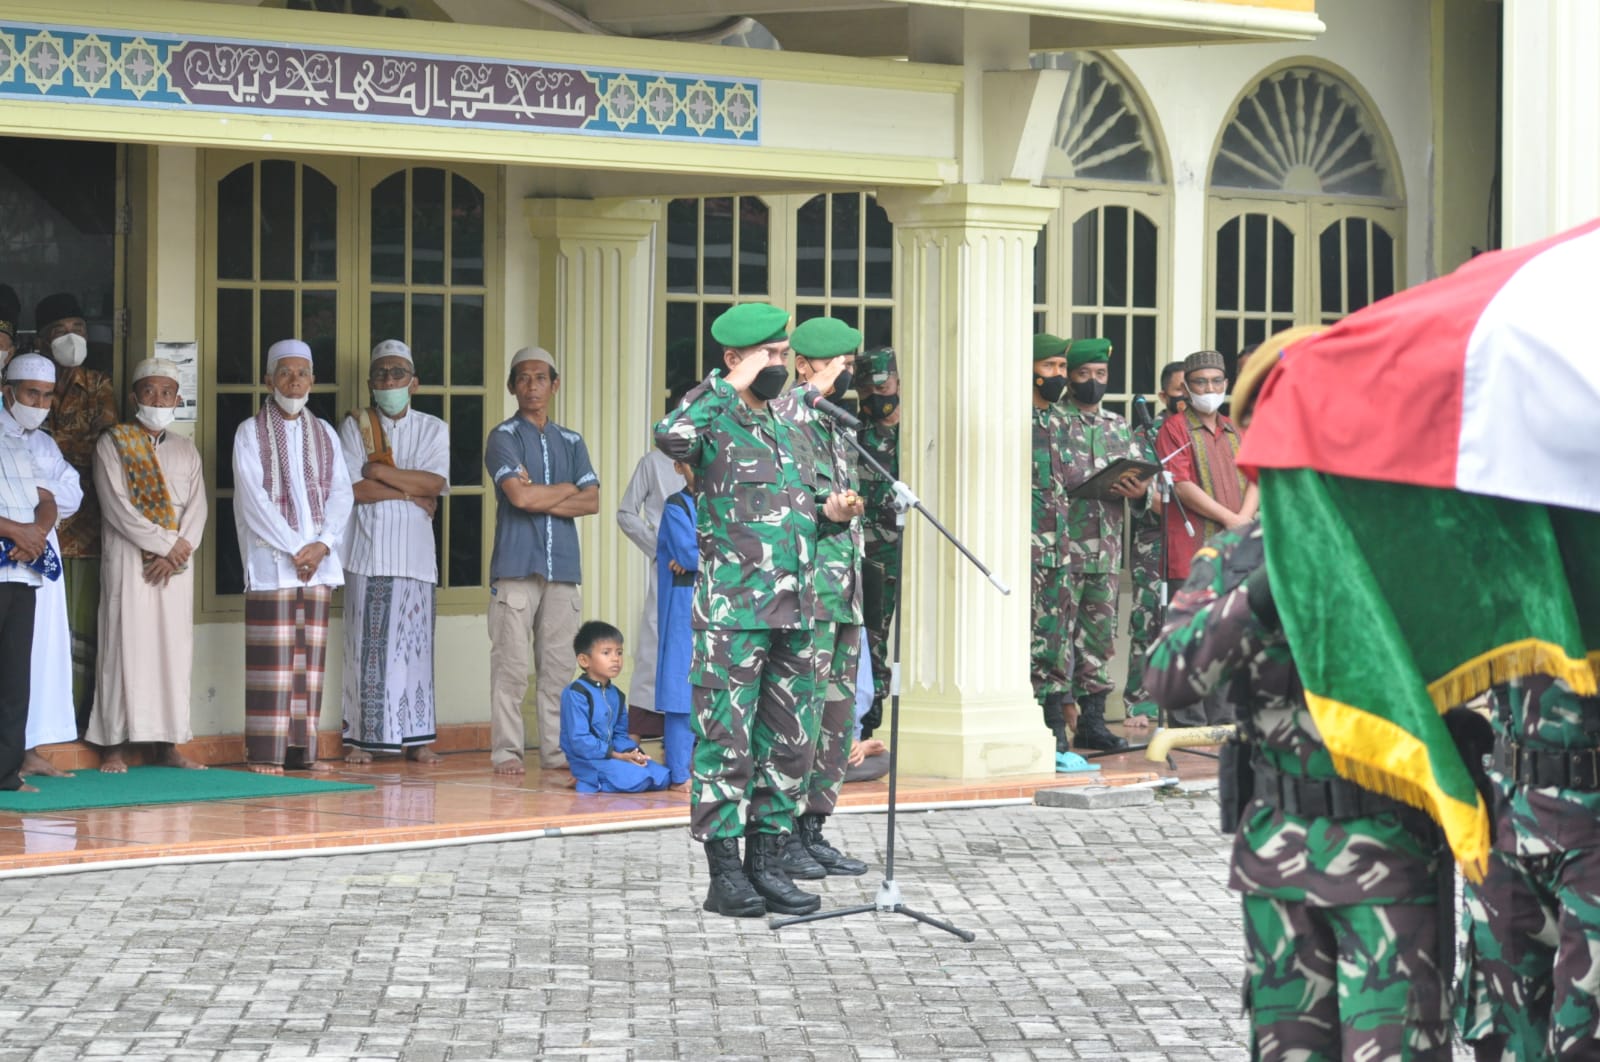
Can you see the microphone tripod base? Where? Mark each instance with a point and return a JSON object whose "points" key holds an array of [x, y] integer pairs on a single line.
{"points": [[888, 902]]}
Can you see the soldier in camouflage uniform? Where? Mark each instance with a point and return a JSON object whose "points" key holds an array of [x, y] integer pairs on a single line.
{"points": [[753, 669], [1051, 596], [1144, 620], [878, 385], [824, 348], [1339, 884], [1530, 984], [1092, 538]]}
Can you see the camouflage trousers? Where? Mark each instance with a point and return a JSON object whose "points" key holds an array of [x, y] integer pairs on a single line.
{"points": [[1050, 671], [1144, 621], [1091, 623], [838, 653], [885, 552], [1530, 977], [755, 715], [1344, 983]]}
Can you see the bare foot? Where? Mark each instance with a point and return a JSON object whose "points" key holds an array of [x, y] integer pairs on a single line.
{"points": [[681, 787], [264, 768], [1137, 722], [569, 781], [317, 767], [33, 763], [511, 766], [171, 757], [111, 762], [355, 755], [424, 755], [26, 788]]}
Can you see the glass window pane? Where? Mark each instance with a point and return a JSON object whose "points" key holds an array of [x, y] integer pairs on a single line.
{"points": [[465, 567], [850, 315], [232, 411], [810, 244], [1114, 326], [1255, 331], [1355, 242], [325, 404], [228, 565], [753, 253], [466, 341], [428, 403], [711, 350], [807, 310], [1382, 263], [1085, 325], [1227, 278], [236, 211], [388, 316], [427, 336], [1328, 248], [880, 252], [1255, 262], [1086, 260], [682, 349], [388, 234], [1038, 323], [278, 319], [1041, 268], [277, 220], [427, 225], [879, 329], [718, 264], [1142, 354], [846, 252], [1145, 266], [466, 439], [466, 232], [319, 327], [1116, 264], [1282, 268], [236, 348], [683, 229], [319, 227], [1227, 336]]}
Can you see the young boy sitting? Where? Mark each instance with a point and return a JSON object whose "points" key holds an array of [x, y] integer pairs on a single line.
{"points": [[594, 721]]}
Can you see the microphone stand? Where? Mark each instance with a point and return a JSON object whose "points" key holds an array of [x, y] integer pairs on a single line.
{"points": [[889, 900]]}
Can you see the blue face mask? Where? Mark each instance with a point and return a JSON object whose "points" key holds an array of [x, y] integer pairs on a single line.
{"points": [[393, 401]]}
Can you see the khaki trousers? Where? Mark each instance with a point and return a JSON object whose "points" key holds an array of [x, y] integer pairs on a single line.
{"points": [[548, 613]]}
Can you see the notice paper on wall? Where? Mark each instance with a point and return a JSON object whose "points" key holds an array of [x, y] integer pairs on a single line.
{"points": [[185, 355]]}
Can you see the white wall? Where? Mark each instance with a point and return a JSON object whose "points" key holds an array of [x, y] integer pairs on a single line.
{"points": [[1382, 44]]}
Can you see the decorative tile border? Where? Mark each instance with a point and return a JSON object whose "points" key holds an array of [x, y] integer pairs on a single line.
{"points": [[162, 71]]}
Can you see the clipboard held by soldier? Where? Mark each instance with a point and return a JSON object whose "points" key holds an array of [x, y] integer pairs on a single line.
{"points": [[1098, 486]]}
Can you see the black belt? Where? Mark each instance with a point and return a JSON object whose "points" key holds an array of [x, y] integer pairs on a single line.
{"points": [[1533, 766], [1330, 798]]}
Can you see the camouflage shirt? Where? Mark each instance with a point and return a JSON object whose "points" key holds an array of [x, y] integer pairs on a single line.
{"points": [[1146, 520], [755, 478], [836, 579], [883, 443], [1544, 712], [1212, 639], [1049, 471], [1091, 440]]}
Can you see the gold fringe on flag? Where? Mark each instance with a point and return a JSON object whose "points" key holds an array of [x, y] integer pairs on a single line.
{"points": [[1515, 660]]}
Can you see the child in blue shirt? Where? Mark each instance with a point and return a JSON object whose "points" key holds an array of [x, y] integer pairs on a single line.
{"points": [[677, 562], [594, 721]]}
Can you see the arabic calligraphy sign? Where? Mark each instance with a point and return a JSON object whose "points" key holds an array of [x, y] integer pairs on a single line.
{"points": [[155, 70]]}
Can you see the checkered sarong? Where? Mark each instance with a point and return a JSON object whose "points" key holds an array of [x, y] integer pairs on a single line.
{"points": [[285, 649]]}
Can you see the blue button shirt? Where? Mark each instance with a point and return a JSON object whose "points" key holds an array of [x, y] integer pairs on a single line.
{"points": [[536, 543]]}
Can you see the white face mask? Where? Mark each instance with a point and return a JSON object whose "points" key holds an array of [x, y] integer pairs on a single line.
{"points": [[69, 350], [1207, 403], [291, 406], [156, 418], [30, 417]]}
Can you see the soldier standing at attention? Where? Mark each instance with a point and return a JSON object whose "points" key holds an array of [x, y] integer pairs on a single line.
{"points": [[753, 669], [1342, 929], [1050, 672], [878, 386], [1092, 539]]}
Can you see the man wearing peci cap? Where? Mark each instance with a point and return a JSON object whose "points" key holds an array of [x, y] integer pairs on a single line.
{"points": [[85, 405], [292, 500], [399, 463], [753, 668], [153, 502], [52, 719], [543, 482], [878, 386]]}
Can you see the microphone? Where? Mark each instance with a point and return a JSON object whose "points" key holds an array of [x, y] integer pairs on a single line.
{"points": [[1141, 413], [811, 397]]}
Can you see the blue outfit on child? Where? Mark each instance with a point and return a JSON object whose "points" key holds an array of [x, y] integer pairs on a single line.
{"points": [[594, 723], [676, 540]]}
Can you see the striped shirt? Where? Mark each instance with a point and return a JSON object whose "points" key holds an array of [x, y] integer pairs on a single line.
{"points": [[395, 538]]}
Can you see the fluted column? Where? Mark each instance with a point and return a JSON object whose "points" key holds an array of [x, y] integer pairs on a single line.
{"points": [[963, 324]]}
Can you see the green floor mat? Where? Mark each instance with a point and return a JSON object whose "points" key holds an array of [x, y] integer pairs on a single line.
{"points": [[160, 785]]}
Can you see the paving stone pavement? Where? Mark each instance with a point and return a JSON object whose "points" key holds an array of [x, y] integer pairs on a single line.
{"points": [[1102, 935]]}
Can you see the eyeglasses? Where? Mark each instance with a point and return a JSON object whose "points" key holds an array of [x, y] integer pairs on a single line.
{"points": [[398, 375], [1219, 384]]}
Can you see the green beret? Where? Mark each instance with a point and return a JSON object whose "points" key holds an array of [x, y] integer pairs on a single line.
{"points": [[1088, 352], [876, 366], [824, 337], [750, 324], [1046, 345]]}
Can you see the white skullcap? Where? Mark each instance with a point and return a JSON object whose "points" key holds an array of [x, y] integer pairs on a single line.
{"points": [[34, 367], [155, 367], [287, 348], [533, 354], [391, 348]]}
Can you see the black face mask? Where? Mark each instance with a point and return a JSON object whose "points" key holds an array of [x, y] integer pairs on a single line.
{"points": [[1088, 392], [1176, 405], [880, 407], [841, 384], [1050, 388], [770, 382]]}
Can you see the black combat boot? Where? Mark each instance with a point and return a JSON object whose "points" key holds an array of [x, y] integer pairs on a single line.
{"points": [[1092, 730], [1055, 718], [830, 858], [730, 893], [763, 865], [798, 861], [873, 718]]}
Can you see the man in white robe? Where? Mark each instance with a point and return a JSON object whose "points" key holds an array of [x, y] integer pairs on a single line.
{"points": [[153, 509], [52, 718], [399, 464]]}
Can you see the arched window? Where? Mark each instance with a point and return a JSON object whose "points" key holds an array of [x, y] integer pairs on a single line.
{"points": [[1307, 212], [844, 264]]}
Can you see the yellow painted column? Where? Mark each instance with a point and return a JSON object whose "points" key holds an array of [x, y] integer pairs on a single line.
{"points": [[596, 298], [963, 326]]}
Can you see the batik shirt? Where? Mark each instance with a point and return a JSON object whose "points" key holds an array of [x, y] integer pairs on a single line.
{"points": [[81, 413]]}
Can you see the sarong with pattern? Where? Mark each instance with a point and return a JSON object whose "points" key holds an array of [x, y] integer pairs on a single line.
{"points": [[285, 650], [388, 662]]}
